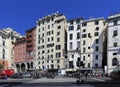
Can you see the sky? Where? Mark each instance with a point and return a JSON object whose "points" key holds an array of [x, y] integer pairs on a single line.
{"points": [[21, 15]]}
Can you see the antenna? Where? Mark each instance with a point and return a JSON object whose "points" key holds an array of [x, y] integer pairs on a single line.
{"points": [[57, 12]]}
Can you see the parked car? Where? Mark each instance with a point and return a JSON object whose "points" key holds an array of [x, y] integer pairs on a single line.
{"points": [[17, 76], [50, 75], [26, 75], [115, 74], [2, 76]]}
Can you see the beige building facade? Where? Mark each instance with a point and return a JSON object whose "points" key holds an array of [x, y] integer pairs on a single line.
{"points": [[8, 37], [92, 42], [51, 42]]}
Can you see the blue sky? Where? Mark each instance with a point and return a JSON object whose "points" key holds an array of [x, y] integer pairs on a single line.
{"points": [[21, 15]]}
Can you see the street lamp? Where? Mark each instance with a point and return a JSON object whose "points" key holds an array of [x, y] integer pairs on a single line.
{"points": [[79, 63]]}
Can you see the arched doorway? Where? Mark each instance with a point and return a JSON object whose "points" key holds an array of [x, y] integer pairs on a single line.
{"points": [[18, 67], [28, 66], [23, 67], [114, 61], [31, 65]]}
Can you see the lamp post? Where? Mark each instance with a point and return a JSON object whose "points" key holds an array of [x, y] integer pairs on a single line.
{"points": [[79, 65]]}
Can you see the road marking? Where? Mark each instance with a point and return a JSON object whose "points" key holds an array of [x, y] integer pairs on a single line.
{"points": [[58, 86], [98, 79], [4, 85]]}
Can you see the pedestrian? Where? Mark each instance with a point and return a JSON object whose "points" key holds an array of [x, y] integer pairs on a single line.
{"points": [[86, 75]]}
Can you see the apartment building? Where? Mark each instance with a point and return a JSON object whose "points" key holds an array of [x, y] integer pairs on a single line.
{"points": [[92, 42], [73, 42], [113, 41], [24, 51], [8, 37], [3, 49], [51, 39], [20, 61], [30, 47]]}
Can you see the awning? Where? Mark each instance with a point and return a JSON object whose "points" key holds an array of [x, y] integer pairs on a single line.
{"points": [[70, 69]]}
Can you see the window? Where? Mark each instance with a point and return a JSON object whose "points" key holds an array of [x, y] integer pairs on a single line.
{"points": [[78, 27], [97, 41], [48, 57], [59, 27], [96, 65], [71, 28], [52, 19], [84, 30], [58, 66], [114, 53], [96, 57], [115, 22], [77, 21], [51, 50], [115, 33], [48, 39], [97, 28], [58, 21], [71, 45], [84, 35], [83, 58], [70, 64], [97, 48], [71, 36], [48, 20], [88, 65], [72, 56], [84, 49], [12, 37], [58, 33], [39, 30], [43, 51], [58, 47], [42, 34], [115, 44], [3, 56], [71, 22], [51, 38], [58, 61], [52, 25], [38, 41], [78, 35], [114, 61], [52, 31], [96, 34], [39, 24], [3, 50], [88, 55], [88, 47], [96, 22], [58, 39], [39, 62], [12, 42], [42, 28], [84, 24], [83, 42], [89, 35], [52, 61], [78, 44], [48, 26], [42, 40], [3, 43], [58, 55]]}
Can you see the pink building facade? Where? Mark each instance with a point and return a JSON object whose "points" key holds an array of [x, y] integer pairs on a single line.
{"points": [[24, 52], [20, 55]]}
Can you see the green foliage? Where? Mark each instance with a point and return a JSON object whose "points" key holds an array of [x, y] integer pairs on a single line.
{"points": [[1, 66]]}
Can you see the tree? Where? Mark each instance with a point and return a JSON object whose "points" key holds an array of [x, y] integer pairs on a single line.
{"points": [[1, 66]]}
